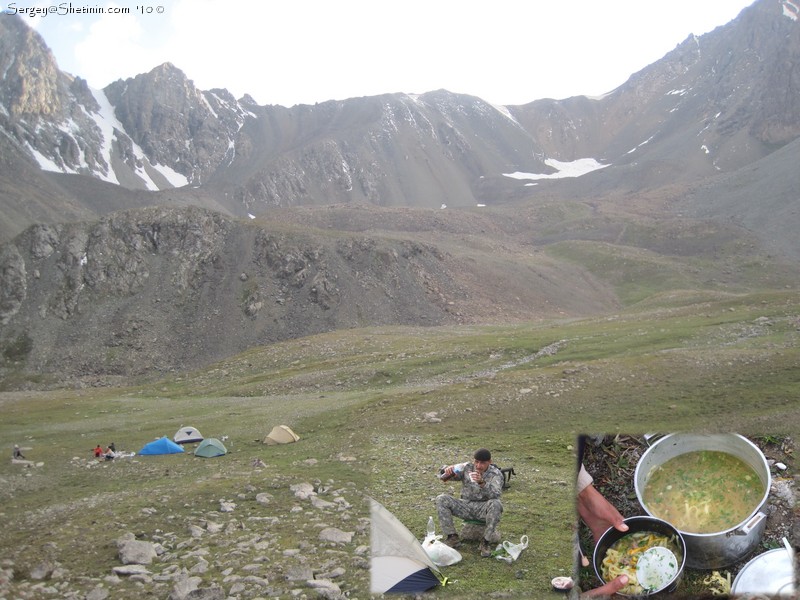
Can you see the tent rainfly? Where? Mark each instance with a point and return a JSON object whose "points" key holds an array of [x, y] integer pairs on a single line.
{"points": [[162, 446], [281, 434], [399, 563], [210, 447], [187, 435]]}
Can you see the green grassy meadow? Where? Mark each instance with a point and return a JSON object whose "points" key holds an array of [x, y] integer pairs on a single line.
{"points": [[361, 401]]}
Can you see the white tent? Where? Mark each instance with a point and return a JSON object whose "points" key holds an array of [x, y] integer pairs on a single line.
{"points": [[398, 561], [187, 435]]}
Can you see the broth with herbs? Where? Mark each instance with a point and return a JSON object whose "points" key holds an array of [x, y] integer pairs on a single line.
{"points": [[704, 491]]}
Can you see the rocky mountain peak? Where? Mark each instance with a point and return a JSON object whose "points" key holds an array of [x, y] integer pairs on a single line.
{"points": [[30, 74], [165, 85], [174, 123]]}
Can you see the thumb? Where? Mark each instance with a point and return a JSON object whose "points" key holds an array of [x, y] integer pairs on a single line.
{"points": [[609, 589], [618, 583]]}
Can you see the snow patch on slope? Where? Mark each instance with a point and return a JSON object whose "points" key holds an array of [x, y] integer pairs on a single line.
{"points": [[790, 10], [575, 168], [110, 126]]}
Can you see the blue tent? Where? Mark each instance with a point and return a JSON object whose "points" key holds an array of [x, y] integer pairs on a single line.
{"points": [[162, 446]]}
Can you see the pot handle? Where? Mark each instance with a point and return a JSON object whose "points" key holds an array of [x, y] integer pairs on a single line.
{"points": [[751, 524], [652, 438]]}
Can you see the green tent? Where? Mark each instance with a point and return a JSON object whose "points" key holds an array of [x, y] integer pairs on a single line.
{"points": [[210, 447]]}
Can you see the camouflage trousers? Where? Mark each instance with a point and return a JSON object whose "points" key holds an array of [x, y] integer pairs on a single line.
{"points": [[448, 507]]}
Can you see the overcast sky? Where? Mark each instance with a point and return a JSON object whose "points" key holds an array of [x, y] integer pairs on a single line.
{"points": [[290, 52]]}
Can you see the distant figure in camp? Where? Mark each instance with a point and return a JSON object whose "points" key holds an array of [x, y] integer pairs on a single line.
{"points": [[18, 453], [109, 454], [112, 447], [98, 451], [482, 484]]}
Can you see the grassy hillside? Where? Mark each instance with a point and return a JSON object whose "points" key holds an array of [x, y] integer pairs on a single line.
{"points": [[363, 401]]}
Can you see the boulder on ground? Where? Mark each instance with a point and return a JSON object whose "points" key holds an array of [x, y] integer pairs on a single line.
{"points": [[135, 552]]}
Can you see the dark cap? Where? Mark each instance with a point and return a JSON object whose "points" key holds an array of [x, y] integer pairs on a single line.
{"points": [[482, 454]]}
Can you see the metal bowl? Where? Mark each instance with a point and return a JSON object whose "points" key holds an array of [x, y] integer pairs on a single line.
{"points": [[636, 524]]}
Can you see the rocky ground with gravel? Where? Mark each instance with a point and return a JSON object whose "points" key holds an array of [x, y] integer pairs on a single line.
{"points": [[288, 538]]}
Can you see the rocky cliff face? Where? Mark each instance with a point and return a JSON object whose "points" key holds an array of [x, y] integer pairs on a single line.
{"points": [[145, 291], [32, 79], [392, 150], [37, 97], [152, 290]]}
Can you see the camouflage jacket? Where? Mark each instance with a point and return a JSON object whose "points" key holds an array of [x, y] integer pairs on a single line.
{"points": [[472, 492]]}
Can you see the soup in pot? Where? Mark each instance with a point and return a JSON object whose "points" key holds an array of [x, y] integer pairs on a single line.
{"points": [[704, 491]]}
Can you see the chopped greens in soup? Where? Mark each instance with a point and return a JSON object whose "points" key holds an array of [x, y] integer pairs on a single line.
{"points": [[704, 491]]}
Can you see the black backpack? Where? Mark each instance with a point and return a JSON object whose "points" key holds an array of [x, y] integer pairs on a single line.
{"points": [[507, 473]]}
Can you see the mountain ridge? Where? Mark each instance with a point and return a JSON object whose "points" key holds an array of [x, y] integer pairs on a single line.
{"points": [[399, 149], [435, 209]]}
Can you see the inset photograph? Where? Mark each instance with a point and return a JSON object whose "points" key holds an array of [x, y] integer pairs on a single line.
{"points": [[686, 514], [463, 517]]}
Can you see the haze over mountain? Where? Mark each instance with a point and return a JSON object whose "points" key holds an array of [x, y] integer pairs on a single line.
{"points": [[690, 167]]}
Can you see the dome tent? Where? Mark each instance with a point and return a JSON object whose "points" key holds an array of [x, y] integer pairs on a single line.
{"points": [[398, 562], [187, 435], [161, 446], [210, 447], [281, 434]]}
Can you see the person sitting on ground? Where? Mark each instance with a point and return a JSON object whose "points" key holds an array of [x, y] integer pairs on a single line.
{"points": [[482, 484], [18, 453], [98, 451], [109, 453]]}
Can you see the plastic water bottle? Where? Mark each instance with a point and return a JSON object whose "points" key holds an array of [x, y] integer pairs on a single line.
{"points": [[457, 470], [431, 527]]}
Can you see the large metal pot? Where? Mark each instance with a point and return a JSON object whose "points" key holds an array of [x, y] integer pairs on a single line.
{"points": [[721, 549]]}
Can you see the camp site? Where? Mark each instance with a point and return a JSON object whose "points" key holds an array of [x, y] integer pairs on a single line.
{"points": [[274, 520], [304, 516]]}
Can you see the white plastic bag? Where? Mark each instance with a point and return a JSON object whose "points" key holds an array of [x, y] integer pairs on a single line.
{"points": [[509, 552], [440, 553]]}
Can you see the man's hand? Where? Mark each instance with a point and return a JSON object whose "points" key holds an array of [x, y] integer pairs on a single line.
{"points": [[598, 513], [607, 590], [447, 473]]}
